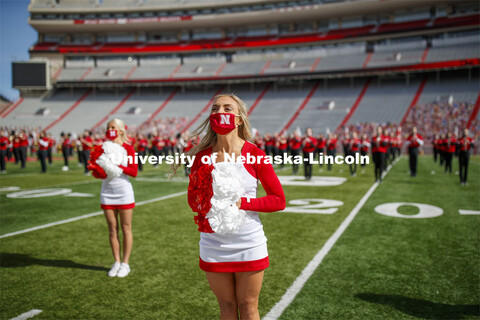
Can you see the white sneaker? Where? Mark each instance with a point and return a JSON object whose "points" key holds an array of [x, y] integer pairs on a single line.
{"points": [[114, 270], [124, 270]]}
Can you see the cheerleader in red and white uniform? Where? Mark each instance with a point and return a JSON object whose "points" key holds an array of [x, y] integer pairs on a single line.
{"points": [[233, 246], [116, 195]]}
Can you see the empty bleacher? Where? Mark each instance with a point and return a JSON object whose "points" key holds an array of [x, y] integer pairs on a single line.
{"points": [[320, 114], [385, 102]]}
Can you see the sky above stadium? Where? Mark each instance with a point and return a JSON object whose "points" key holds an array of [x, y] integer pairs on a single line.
{"points": [[16, 36]]}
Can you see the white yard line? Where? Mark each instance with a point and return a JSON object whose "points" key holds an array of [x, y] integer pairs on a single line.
{"points": [[27, 315], [93, 214], [76, 183], [298, 284]]}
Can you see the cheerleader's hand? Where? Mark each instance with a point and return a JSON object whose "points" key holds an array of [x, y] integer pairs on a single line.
{"points": [[110, 168]]}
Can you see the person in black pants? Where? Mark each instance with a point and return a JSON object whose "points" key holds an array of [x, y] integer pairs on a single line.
{"points": [[464, 145], [50, 146], [414, 141], [331, 148], [450, 149], [436, 151], [441, 148], [66, 149], [43, 144], [309, 144], [23, 148], [379, 145], [4, 142], [295, 145]]}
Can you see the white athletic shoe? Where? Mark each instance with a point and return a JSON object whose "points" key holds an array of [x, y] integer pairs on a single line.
{"points": [[124, 270], [114, 270]]}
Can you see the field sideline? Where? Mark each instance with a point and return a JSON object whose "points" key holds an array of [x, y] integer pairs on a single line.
{"points": [[382, 267]]}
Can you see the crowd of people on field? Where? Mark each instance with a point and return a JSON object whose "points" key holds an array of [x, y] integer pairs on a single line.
{"points": [[161, 137]]}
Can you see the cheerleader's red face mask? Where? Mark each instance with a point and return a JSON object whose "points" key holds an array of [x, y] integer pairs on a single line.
{"points": [[112, 134], [222, 123]]}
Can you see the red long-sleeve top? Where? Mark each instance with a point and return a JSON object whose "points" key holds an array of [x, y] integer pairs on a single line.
{"points": [[132, 168]]}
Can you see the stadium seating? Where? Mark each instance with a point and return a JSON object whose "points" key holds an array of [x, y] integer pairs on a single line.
{"points": [[385, 102]]}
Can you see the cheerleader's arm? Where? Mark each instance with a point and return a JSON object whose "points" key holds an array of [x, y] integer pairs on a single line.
{"points": [[132, 168], [275, 198]]}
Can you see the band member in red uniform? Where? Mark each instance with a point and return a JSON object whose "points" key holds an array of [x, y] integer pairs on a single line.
{"points": [[331, 148], [142, 145], [282, 146], [259, 142], [4, 142], [23, 146], [233, 254], [355, 145], [87, 144], [346, 145], [394, 146], [365, 146], [465, 145], [321, 143], [435, 144], [450, 149], [295, 146], [51, 144], [269, 142], [66, 142], [309, 145], [43, 144], [441, 148], [379, 145], [414, 141]]}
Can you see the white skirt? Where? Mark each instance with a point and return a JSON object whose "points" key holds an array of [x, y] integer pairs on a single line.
{"points": [[117, 193]]}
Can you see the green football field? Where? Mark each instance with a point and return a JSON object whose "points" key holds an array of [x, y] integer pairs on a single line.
{"points": [[419, 259]]}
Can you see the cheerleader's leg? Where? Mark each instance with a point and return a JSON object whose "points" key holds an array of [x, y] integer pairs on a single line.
{"points": [[247, 287], [126, 220], [223, 286], [111, 216]]}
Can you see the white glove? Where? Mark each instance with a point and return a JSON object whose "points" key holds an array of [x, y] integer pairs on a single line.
{"points": [[111, 169]]}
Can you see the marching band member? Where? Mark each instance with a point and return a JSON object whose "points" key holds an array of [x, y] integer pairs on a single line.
{"points": [[435, 143], [282, 146], [269, 142], [321, 143], [142, 145], [354, 147], [309, 145], [66, 143], [414, 141], [365, 146], [233, 249], [394, 146], [450, 149], [116, 195], [331, 148], [43, 145], [465, 144], [295, 146], [87, 144], [379, 152], [23, 146], [4, 142]]}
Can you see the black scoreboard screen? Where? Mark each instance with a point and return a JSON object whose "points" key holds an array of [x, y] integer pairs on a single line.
{"points": [[29, 74]]}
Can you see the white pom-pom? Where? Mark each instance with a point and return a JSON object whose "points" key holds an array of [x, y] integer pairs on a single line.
{"points": [[224, 216], [113, 156]]}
